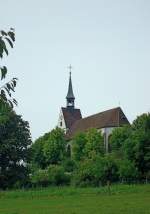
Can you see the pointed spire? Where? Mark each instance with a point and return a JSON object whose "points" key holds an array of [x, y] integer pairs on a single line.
{"points": [[70, 89], [70, 96]]}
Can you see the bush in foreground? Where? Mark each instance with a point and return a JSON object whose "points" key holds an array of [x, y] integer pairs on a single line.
{"points": [[96, 172], [54, 175]]}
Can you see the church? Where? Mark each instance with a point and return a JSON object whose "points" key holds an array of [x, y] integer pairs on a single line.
{"points": [[72, 122]]}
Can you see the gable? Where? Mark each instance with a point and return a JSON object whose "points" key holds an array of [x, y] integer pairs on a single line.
{"points": [[71, 115], [61, 122]]}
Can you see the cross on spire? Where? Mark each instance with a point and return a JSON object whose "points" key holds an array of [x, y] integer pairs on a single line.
{"points": [[70, 68]]}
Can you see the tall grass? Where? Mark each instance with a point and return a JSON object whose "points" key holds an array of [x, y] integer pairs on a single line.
{"points": [[68, 191]]}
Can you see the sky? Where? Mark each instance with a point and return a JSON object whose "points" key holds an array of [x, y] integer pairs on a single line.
{"points": [[107, 43]]}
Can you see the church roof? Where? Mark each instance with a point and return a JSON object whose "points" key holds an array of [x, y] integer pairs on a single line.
{"points": [[110, 118], [70, 89], [71, 115]]}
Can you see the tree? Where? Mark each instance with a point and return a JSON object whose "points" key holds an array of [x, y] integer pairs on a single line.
{"points": [[6, 89], [118, 137], [88, 144], [48, 149], [142, 122], [78, 145], [37, 158], [15, 140], [137, 146], [95, 143], [137, 149], [109, 169], [55, 147]]}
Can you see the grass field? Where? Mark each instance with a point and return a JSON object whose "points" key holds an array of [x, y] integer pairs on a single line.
{"points": [[134, 199]]}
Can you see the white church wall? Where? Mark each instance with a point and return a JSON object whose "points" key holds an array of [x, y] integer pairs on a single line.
{"points": [[61, 122], [107, 132]]}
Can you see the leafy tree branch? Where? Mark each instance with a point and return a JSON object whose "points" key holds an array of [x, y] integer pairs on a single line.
{"points": [[7, 39]]}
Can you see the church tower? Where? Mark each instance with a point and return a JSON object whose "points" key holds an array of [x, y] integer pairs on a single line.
{"points": [[70, 96], [69, 114]]}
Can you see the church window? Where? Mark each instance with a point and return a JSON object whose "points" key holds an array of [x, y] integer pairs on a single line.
{"points": [[60, 123]]}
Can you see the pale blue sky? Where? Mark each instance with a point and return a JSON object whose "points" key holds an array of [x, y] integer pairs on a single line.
{"points": [[107, 42]]}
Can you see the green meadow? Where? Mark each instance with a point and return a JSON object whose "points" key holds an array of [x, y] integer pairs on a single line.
{"points": [[134, 199]]}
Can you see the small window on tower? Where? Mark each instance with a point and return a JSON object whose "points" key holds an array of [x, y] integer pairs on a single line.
{"points": [[60, 123]]}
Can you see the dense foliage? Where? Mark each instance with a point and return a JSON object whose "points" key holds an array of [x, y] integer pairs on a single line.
{"points": [[54, 175], [15, 136], [128, 160], [49, 149], [14, 142], [96, 171]]}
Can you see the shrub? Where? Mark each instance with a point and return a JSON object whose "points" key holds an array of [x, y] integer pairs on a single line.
{"points": [[128, 173], [96, 172], [40, 178], [69, 165], [57, 175], [54, 175]]}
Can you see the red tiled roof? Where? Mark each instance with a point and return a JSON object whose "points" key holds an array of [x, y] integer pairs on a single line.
{"points": [[110, 118], [71, 115]]}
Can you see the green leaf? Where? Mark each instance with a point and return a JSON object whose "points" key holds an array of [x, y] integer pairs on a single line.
{"points": [[8, 91], [3, 72], [11, 35], [8, 86], [14, 82], [9, 41], [15, 102], [1, 48], [3, 45], [12, 29], [3, 33], [10, 103], [3, 95]]}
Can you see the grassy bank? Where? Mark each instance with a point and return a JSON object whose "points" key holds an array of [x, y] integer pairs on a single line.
{"points": [[68, 200]]}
